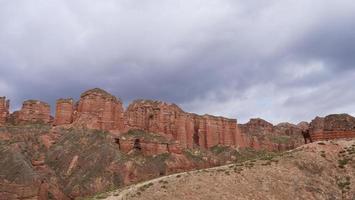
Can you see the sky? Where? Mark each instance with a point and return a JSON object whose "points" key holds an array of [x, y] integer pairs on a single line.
{"points": [[280, 60]]}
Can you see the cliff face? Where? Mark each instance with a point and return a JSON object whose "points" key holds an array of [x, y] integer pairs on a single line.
{"points": [[64, 111], [146, 143], [98, 109], [33, 111], [261, 134], [4, 110], [332, 127], [190, 130]]}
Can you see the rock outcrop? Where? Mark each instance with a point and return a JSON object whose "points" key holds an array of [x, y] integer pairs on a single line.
{"points": [[149, 144], [261, 134], [97, 109], [332, 127], [189, 129], [4, 110], [33, 111], [64, 111]]}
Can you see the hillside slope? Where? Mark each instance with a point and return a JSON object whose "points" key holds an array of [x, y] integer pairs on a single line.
{"points": [[322, 170]]}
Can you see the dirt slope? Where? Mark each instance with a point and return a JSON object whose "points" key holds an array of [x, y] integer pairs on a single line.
{"points": [[321, 170]]}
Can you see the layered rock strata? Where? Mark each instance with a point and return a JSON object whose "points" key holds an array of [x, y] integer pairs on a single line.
{"points": [[189, 129], [64, 111], [4, 110], [332, 127], [98, 109], [261, 134], [33, 111]]}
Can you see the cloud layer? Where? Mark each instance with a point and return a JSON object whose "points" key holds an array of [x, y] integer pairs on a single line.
{"points": [[280, 60]]}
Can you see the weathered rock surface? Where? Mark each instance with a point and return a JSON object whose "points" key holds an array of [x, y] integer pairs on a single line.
{"points": [[33, 111], [261, 134], [146, 143], [189, 129], [97, 109], [332, 127], [43, 162], [64, 111], [4, 110]]}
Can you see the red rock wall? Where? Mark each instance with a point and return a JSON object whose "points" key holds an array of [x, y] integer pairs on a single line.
{"points": [[190, 130], [260, 134], [4, 110], [64, 111], [34, 111], [98, 109], [150, 148], [335, 126], [331, 135]]}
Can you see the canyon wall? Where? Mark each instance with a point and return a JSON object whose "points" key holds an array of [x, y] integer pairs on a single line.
{"points": [[332, 127], [260, 134], [64, 111], [97, 109], [4, 110], [32, 111], [189, 129]]}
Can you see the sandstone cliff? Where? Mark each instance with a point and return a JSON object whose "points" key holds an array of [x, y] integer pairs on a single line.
{"points": [[332, 127], [189, 129], [4, 110], [32, 111], [64, 111], [261, 134], [97, 109]]}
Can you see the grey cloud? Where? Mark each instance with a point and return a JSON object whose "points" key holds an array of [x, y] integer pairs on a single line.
{"points": [[241, 59]]}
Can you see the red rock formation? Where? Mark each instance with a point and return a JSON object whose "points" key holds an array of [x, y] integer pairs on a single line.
{"points": [[261, 134], [332, 127], [189, 129], [33, 111], [4, 110], [149, 148], [303, 125], [146, 143], [98, 109], [64, 111]]}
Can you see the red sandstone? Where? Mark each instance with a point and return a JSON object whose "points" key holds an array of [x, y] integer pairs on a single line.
{"points": [[33, 111], [189, 129], [64, 111], [332, 127], [98, 109], [4, 110]]}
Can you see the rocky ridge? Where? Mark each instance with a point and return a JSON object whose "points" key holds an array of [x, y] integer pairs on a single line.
{"points": [[94, 144]]}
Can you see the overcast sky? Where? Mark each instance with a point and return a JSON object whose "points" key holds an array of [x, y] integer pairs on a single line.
{"points": [[281, 60]]}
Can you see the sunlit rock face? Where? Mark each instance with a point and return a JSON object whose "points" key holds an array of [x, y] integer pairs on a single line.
{"points": [[332, 127]]}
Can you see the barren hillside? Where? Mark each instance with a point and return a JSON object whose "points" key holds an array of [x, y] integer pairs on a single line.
{"points": [[321, 170]]}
